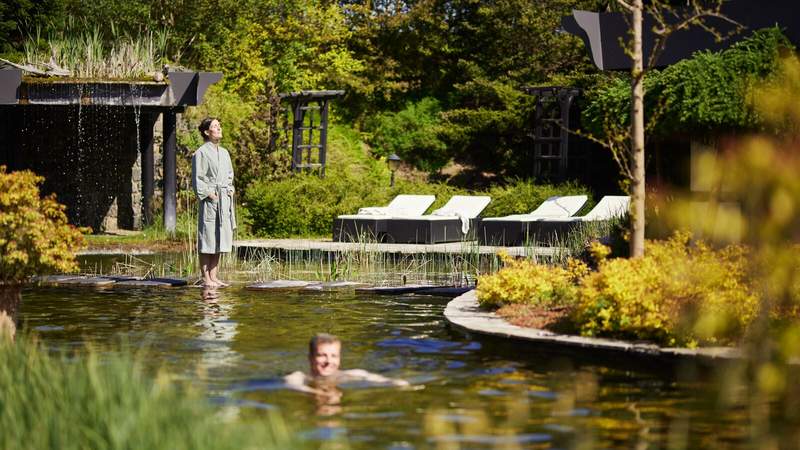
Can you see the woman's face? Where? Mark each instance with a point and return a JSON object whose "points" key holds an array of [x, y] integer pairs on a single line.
{"points": [[214, 131]]}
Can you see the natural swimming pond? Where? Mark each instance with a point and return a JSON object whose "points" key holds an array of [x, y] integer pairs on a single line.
{"points": [[468, 392]]}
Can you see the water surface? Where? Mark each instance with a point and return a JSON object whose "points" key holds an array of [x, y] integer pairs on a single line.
{"points": [[467, 392]]}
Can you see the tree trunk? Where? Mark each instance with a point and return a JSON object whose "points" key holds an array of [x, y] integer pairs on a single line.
{"points": [[10, 298], [637, 136]]}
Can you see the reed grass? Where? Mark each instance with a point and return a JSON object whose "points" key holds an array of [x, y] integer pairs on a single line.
{"points": [[360, 263], [76, 401], [574, 243], [87, 53], [373, 267]]}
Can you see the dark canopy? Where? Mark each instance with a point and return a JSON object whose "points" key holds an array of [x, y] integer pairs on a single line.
{"points": [[603, 32]]}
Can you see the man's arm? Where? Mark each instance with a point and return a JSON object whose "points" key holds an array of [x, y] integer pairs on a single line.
{"points": [[364, 375], [298, 382]]}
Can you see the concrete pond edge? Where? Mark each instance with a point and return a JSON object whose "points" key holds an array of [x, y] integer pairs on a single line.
{"points": [[463, 312]]}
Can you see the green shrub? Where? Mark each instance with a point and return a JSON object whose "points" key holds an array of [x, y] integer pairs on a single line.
{"points": [[412, 134], [78, 401], [35, 237], [306, 205], [488, 123], [526, 282], [679, 293], [523, 196]]}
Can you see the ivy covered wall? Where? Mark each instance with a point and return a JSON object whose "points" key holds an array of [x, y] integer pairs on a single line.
{"points": [[710, 93]]}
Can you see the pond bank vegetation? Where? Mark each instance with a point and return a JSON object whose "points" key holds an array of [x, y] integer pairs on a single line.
{"points": [[680, 293], [79, 399]]}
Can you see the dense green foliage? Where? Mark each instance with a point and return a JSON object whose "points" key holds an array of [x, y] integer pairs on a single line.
{"points": [[468, 57], [710, 91], [305, 205], [77, 401], [412, 135], [250, 133]]}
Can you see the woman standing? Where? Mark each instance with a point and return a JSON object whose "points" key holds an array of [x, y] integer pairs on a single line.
{"points": [[212, 181]]}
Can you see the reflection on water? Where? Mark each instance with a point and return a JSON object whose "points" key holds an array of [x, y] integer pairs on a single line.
{"points": [[218, 332], [466, 393]]}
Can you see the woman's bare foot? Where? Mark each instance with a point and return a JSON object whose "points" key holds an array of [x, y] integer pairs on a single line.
{"points": [[221, 283]]}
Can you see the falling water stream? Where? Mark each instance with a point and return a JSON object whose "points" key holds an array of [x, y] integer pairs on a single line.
{"points": [[79, 152]]}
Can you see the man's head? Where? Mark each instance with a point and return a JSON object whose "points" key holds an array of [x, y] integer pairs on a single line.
{"points": [[324, 351]]}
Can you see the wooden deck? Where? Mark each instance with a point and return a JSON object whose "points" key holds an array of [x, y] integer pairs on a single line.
{"points": [[325, 245]]}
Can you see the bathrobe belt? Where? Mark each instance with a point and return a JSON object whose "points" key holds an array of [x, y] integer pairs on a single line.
{"points": [[220, 190]]}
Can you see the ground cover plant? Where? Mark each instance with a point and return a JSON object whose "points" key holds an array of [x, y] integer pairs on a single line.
{"points": [[680, 293]]}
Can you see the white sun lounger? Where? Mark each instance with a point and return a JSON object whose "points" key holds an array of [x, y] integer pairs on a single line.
{"points": [[370, 222], [455, 221], [556, 206], [514, 232]]}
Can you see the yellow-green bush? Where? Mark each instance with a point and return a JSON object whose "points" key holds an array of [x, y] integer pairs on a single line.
{"points": [[524, 281], [679, 293], [35, 237]]}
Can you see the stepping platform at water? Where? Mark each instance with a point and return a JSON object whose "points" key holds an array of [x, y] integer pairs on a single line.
{"points": [[278, 284], [421, 289], [109, 281], [152, 282], [333, 285], [446, 291], [392, 290], [247, 248], [87, 281], [51, 280], [297, 284]]}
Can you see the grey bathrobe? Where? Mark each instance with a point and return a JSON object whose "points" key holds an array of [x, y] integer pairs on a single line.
{"points": [[212, 172]]}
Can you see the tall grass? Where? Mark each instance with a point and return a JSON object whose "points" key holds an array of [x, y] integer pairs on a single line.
{"points": [[78, 401], [87, 53], [575, 242], [366, 264]]}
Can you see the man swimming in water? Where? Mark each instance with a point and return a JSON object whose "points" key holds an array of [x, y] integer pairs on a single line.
{"points": [[324, 357]]}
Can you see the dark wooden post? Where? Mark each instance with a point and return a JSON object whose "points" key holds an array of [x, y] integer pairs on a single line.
{"points": [[170, 163], [566, 96], [537, 134], [323, 134], [297, 134], [148, 164]]}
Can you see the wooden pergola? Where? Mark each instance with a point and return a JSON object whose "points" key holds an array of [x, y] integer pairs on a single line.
{"points": [[309, 128]]}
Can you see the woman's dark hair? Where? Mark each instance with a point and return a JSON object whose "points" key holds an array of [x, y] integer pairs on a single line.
{"points": [[205, 124]]}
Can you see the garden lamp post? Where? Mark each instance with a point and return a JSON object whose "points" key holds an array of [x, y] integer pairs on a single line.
{"points": [[394, 163]]}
